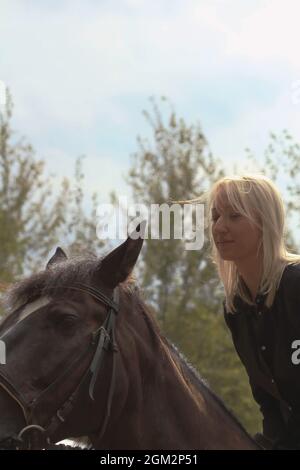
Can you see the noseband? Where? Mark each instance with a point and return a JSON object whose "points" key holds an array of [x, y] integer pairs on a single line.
{"points": [[104, 339]]}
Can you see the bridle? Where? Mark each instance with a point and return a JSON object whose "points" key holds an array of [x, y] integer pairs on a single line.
{"points": [[104, 339]]}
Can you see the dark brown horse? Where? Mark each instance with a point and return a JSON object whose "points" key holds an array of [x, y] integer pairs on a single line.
{"points": [[85, 358]]}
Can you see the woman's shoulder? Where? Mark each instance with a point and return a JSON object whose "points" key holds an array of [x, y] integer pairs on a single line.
{"points": [[291, 273], [290, 280]]}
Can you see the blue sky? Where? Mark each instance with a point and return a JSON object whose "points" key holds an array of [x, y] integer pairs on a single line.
{"points": [[81, 72]]}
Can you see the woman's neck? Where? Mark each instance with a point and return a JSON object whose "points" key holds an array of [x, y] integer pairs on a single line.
{"points": [[251, 273]]}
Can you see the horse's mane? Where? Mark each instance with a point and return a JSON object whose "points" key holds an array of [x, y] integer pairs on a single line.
{"points": [[51, 281], [201, 384]]}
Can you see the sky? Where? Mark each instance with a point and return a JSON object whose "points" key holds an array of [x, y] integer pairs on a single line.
{"points": [[81, 72]]}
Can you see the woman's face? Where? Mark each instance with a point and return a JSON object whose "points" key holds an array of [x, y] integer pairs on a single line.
{"points": [[236, 238]]}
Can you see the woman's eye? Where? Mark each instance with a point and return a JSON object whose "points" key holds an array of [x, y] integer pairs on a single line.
{"points": [[231, 216]]}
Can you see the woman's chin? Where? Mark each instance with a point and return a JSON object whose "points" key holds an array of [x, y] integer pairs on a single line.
{"points": [[227, 257]]}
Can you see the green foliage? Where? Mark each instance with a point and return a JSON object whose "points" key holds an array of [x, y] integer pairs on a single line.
{"points": [[176, 165], [79, 229], [25, 216], [33, 217], [281, 163]]}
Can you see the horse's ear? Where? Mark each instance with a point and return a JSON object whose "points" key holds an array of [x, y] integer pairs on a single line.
{"points": [[118, 264], [58, 257]]}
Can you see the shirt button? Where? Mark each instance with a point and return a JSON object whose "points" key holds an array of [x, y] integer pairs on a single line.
{"points": [[290, 408], [263, 348], [259, 313], [273, 381]]}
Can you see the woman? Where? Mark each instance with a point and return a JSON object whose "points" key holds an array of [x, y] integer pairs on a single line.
{"points": [[262, 298]]}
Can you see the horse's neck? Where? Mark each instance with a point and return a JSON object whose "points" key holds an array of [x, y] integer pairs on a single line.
{"points": [[188, 394], [165, 410]]}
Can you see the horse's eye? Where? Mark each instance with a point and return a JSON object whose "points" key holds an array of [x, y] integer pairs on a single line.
{"points": [[64, 320], [67, 325], [69, 318]]}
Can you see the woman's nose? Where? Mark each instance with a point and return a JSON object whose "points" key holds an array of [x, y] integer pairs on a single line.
{"points": [[220, 225]]}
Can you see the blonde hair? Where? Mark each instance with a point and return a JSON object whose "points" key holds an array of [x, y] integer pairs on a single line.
{"points": [[258, 199]]}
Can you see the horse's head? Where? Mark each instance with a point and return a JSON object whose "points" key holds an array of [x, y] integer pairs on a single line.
{"points": [[59, 375]]}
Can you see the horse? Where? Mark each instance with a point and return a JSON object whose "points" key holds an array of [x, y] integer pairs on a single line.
{"points": [[86, 358]]}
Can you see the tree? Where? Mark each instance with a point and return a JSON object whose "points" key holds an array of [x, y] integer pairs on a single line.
{"points": [[33, 219], [281, 163], [178, 165], [79, 228]]}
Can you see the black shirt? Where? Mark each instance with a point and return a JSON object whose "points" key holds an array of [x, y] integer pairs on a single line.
{"points": [[264, 339]]}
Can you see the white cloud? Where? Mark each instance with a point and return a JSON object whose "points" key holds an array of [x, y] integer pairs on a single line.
{"points": [[271, 32], [253, 127]]}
